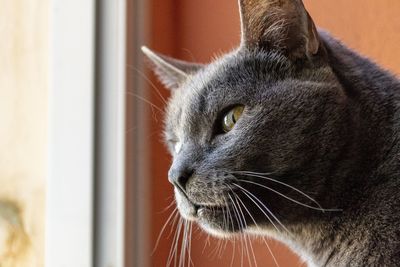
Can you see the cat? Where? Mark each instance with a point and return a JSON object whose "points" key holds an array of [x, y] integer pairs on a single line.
{"points": [[292, 136]]}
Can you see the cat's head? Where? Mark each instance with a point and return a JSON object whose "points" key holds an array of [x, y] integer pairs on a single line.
{"points": [[253, 133]]}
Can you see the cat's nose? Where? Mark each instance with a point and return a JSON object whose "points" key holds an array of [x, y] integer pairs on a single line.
{"points": [[179, 177]]}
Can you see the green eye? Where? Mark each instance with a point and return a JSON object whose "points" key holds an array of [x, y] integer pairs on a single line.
{"points": [[231, 118]]}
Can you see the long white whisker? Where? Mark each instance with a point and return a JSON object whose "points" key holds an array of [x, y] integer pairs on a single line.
{"points": [[234, 239], [206, 243], [245, 235], [145, 100], [288, 198], [226, 221], [149, 81], [230, 221], [255, 173], [265, 241], [254, 199], [175, 220], [282, 183], [251, 216], [163, 228], [190, 262], [239, 222], [181, 221], [167, 207], [183, 245], [173, 248], [270, 252]]}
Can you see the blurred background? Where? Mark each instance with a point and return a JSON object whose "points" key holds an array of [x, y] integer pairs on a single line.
{"points": [[83, 170]]}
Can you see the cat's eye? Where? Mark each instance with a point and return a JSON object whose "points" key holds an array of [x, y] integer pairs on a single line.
{"points": [[231, 118]]}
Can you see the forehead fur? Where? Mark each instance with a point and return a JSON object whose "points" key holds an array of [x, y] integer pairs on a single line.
{"points": [[239, 75], [234, 75]]}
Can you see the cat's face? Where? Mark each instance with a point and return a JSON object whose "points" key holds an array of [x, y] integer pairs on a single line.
{"points": [[287, 115], [253, 134]]}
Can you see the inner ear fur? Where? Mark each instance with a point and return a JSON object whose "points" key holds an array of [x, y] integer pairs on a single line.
{"points": [[283, 25]]}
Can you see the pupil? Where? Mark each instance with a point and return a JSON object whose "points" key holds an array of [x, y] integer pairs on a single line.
{"points": [[233, 118]]}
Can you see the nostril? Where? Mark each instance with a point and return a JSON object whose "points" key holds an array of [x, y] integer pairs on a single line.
{"points": [[180, 178], [183, 179]]}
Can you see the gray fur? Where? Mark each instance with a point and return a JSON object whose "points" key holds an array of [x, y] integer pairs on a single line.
{"points": [[326, 124]]}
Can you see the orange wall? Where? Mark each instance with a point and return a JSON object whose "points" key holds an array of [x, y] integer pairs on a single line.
{"points": [[368, 26], [198, 30]]}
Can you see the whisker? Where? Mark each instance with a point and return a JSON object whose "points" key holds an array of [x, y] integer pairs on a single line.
{"points": [[214, 252], [234, 239], [251, 196], [225, 223], [163, 229], [288, 198], [282, 183], [149, 81], [190, 262], [251, 216], [206, 243], [265, 241], [255, 173], [182, 245], [270, 252], [245, 235], [182, 259], [173, 247], [233, 251], [145, 100], [239, 222], [176, 219], [176, 243], [216, 249], [167, 207]]}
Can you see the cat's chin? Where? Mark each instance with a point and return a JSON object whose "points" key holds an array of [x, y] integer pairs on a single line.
{"points": [[207, 218]]}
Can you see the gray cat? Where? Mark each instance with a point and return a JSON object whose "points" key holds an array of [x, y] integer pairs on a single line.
{"points": [[291, 136]]}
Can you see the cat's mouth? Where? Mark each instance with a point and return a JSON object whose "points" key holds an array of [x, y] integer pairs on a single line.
{"points": [[193, 211], [211, 217]]}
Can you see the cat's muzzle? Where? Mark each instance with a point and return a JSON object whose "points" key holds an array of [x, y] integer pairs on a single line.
{"points": [[190, 210], [187, 209], [212, 218]]}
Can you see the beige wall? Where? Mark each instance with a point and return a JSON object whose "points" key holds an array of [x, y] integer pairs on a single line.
{"points": [[23, 119]]}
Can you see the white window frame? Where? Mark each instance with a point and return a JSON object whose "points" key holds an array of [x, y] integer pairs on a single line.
{"points": [[69, 201], [85, 183]]}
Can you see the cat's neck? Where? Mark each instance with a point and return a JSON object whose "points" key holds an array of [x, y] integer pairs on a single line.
{"points": [[353, 235], [375, 93], [357, 73]]}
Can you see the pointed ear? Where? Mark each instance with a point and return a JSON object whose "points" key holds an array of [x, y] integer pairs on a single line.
{"points": [[171, 72], [283, 25]]}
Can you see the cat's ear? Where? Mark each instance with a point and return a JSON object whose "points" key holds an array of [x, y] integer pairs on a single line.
{"points": [[171, 72], [283, 25]]}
